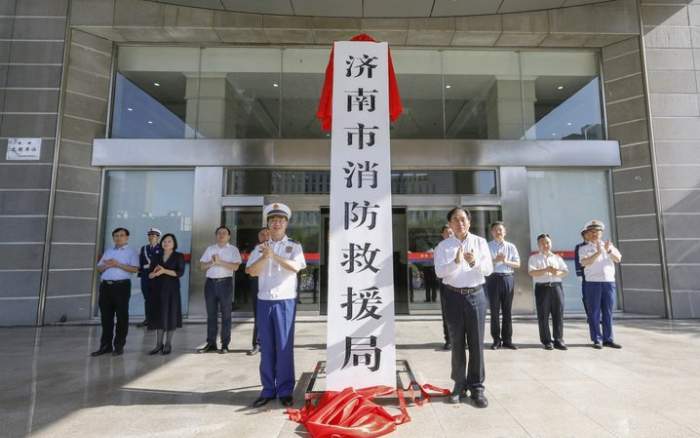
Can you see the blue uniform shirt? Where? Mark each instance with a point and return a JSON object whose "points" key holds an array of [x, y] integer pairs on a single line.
{"points": [[123, 255], [147, 254], [507, 249]]}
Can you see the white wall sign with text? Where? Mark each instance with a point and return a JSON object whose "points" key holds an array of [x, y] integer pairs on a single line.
{"points": [[23, 149], [361, 350]]}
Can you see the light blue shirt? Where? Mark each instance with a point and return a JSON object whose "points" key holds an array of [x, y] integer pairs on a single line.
{"points": [[507, 249], [125, 256]]}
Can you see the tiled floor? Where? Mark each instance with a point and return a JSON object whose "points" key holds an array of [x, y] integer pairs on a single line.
{"points": [[50, 387]]}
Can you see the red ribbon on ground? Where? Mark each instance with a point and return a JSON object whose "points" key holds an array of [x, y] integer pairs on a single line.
{"points": [[351, 413], [325, 105]]}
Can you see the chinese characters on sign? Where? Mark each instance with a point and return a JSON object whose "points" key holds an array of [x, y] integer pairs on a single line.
{"points": [[23, 149], [361, 351]]}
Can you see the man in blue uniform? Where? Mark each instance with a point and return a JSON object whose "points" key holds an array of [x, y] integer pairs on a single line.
{"points": [[116, 267], [585, 235], [147, 253], [276, 264]]}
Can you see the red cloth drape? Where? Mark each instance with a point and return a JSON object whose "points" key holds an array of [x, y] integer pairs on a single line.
{"points": [[325, 105], [351, 413]]}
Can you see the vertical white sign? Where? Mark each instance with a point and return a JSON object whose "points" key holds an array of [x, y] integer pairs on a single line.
{"points": [[361, 350]]}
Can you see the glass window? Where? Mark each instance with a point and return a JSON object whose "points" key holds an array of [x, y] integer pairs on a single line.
{"points": [[419, 75], [153, 92], [561, 96], [482, 94], [443, 182], [265, 92], [239, 93], [561, 202], [138, 200], [303, 73]]}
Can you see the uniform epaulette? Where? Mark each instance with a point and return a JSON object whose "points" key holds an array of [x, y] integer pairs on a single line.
{"points": [[292, 240]]}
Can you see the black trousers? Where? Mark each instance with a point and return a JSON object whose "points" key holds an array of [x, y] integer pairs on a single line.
{"points": [[114, 301], [147, 297], [218, 294], [443, 308], [466, 320], [500, 290], [549, 298]]}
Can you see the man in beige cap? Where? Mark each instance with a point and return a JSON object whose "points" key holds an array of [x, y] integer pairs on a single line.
{"points": [[598, 258]]}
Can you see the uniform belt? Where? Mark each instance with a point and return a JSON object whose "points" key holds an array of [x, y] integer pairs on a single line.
{"points": [[550, 284], [464, 290], [502, 274], [217, 280], [115, 281]]}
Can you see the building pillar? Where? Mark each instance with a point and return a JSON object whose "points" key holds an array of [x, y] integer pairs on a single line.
{"points": [[210, 107], [510, 108]]}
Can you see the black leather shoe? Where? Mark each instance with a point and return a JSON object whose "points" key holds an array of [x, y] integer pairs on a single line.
{"points": [[478, 399], [447, 346], [457, 394], [101, 351], [597, 346], [209, 348], [496, 345], [224, 350], [611, 344], [509, 345], [262, 401], [142, 324], [156, 350], [287, 401], [560, 346], [253, 351], [548, 346], [118, 351], [167, 348]]}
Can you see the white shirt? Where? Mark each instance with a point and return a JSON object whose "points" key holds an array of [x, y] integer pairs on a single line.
{"points": [[507, 249], [541, 261], [274, 281], [227, 253], [461, 274], [125, 256], [603, 268]]}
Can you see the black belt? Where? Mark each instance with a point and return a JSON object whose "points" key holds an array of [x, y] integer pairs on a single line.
{"points": [[550, 284], [217, 280], [502, 274], [110, 282], [464, 290]]}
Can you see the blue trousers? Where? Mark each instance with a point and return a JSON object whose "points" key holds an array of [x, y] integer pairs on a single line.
{"points": [[600, 301], [275, 321]]}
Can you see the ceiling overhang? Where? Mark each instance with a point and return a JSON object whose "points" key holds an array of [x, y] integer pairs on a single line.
{"points": [[379, 8]]}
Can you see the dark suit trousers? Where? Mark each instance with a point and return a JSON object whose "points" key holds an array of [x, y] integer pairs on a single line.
{"points": [[500, 290], [114, 301], [550, 301], [466, 320]]}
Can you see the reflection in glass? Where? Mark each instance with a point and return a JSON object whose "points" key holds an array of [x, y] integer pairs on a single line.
{"points": [[244, 223], [303, 73], [419, 76], [554, 187], [138, 200], [239, 93]]}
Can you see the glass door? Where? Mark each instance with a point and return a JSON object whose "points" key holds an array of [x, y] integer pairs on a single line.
{"points": [[245, 223], [424, 228]]}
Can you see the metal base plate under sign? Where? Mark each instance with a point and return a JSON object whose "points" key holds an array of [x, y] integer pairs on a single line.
{"points": [[19, 149], [405, 379]]}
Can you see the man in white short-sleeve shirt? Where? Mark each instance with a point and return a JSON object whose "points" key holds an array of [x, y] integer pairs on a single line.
{"points": [[598, 259], [219, 261], [276, 264]]}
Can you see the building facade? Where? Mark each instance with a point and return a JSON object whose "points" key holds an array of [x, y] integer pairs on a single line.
{"points": [[188, 114]]}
